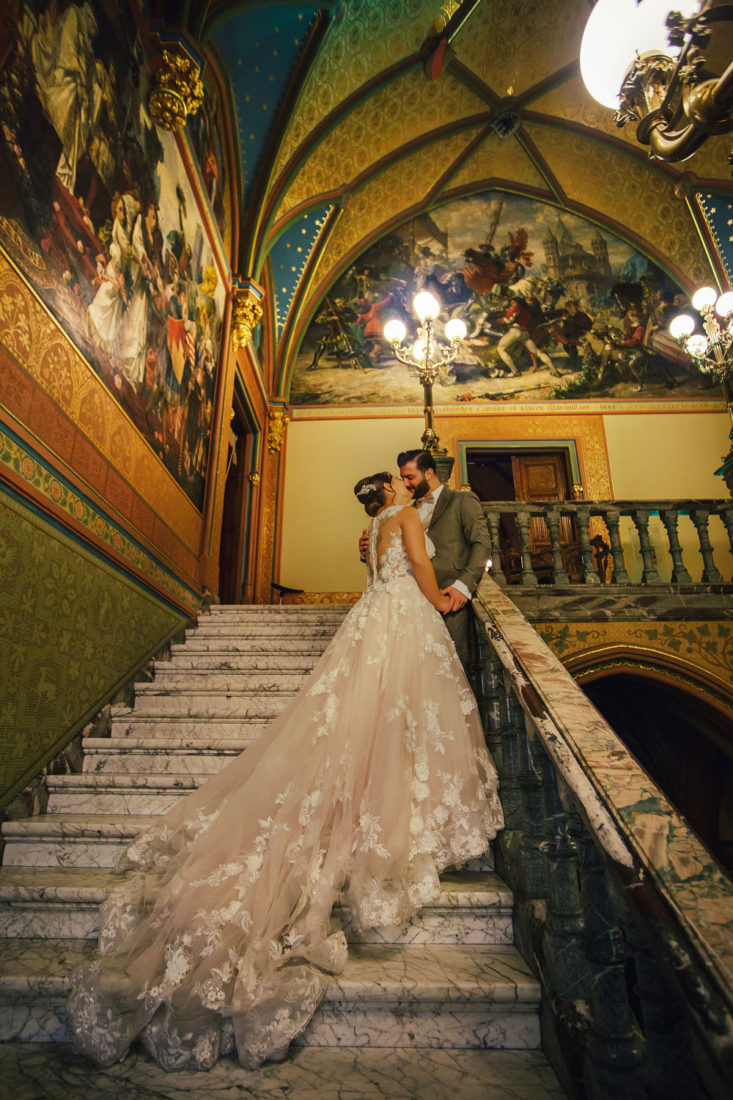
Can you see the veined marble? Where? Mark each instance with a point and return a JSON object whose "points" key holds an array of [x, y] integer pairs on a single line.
{"points": [[170, 679], [70, 840], [54, 1072], [244, 644], [240, 704], [124, 723]]}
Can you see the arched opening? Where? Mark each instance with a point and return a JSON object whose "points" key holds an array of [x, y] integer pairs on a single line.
{"points": [[683, 742]]}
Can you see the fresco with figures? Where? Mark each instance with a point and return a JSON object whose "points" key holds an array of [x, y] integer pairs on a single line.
{"points": [[97, 212], [554, 306]]}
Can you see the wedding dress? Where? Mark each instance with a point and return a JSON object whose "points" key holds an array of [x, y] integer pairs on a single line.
{"points": [[374, 779]]}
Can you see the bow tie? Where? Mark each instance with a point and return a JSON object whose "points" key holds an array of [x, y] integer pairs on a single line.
{"points": [[427, 499]]}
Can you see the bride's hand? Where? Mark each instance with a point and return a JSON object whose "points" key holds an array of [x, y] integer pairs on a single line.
{"points": [[444, 605]]}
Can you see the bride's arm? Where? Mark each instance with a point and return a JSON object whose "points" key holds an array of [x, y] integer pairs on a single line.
{"points": [[414, 541]]}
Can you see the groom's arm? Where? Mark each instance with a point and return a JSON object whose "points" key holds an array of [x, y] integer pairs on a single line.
{"points": [[476, 537]]}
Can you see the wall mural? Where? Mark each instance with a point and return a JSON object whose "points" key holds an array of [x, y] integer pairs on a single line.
{"points": [[98, 213], [555, 308]]}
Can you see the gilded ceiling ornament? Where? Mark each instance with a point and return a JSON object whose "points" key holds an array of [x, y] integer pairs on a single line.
{"points": [[246, 315], [276, 433], [178, 90]]}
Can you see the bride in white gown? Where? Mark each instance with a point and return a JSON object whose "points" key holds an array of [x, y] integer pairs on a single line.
{"points": [[373, 780]]}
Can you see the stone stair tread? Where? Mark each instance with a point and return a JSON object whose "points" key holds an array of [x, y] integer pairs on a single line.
{"points": [[81, 825], [373, 973], [310, 1073], [458, 890], [432, 973], [126, 780], [94, 746]]}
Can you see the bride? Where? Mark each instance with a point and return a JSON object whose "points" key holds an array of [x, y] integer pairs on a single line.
{"points": [[373, 780]]}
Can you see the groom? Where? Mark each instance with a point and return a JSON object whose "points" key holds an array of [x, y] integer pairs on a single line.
{"points": [[457, 526]]}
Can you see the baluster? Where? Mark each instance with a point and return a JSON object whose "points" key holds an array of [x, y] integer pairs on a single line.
{"points": [[589, 574], [528, 574], [710, 573], [726, 514], [670, 516], [611, 519], [670, 1067], [492, 519], [491, 696], [641, 522], [614, 1054], [559, 576]]}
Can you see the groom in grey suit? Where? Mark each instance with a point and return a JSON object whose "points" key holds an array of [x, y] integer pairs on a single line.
{"points": [[457, 526]]}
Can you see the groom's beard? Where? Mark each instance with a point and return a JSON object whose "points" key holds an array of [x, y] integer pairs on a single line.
{"points": [[420, 491]]}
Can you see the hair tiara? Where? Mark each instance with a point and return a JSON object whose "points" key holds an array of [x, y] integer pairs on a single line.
{"points": [[370, 487]]}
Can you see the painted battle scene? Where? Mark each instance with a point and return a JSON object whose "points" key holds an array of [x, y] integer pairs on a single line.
{"points": [[97, 213], [554, 306]]}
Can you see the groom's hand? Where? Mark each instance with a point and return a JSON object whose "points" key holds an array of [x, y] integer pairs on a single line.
{"points": [[363, 544], [457, 600]]}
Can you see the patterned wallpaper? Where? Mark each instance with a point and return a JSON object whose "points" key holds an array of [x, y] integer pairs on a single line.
{"points": [[72, 628]]}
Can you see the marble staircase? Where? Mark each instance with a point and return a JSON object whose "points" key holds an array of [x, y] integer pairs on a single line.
{"points": [[451, 980]]}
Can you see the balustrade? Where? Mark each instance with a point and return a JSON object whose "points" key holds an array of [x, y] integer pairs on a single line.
{"points": [[588, 546], [621, 912]]}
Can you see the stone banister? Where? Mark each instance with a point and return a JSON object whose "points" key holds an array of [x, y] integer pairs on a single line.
{"points": [[607, 541], [623, 914]]}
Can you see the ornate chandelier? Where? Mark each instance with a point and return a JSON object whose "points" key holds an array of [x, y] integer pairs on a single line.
{"points": [[427, 358], [712, 351], [646, 60]]}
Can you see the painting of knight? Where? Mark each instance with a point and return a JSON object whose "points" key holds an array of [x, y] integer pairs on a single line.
{"points": [[555, 307], [97, 212]]}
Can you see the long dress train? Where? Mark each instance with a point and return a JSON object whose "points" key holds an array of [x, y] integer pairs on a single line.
{"points": [[373, 780]]}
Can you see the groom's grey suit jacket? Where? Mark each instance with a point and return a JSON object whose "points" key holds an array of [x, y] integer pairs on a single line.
{"points": [[458, 530]]}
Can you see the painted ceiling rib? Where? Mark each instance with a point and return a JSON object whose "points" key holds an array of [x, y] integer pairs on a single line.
{"points": [[539, 162], [458, 163]]}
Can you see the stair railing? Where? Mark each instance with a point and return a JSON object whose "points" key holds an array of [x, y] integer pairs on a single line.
{"points": [[611, 542], [624, 916]]}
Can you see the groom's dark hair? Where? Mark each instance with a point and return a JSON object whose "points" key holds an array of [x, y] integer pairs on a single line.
{"points": [[424, 459]]}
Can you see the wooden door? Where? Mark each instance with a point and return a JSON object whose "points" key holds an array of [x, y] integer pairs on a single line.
{"points": [[544, 477]]}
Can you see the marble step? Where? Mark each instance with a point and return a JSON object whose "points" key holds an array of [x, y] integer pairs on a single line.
{"points": [[273, 612], [211, 704], [241, 644], [70, 840], [63, 903], [84, 793], [238, 662], [126, 722], [192, 680], [258, 629], [387, 996], [52, 1071], [171, 754], [85, 840]]}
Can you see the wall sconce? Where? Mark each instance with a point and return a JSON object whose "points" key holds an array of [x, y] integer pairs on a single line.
{"points": [[426, 358], [644, 57]]}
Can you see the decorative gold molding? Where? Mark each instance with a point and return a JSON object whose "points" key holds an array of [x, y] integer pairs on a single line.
{"points": [[178, 90], [254, 479], [276, 432], [246, 314]]}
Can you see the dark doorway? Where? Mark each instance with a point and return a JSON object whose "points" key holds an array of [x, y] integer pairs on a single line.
{"points": [[531, 475], [237, 491], [684, 744]]}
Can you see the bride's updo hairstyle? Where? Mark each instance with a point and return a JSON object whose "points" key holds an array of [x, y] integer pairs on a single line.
{"points": [[369, 491]]}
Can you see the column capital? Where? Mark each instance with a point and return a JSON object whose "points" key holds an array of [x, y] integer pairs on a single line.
{"points": [[178, 90], [247, 310]]}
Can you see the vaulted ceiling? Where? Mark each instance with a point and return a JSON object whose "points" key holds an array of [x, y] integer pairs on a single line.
{"points": [[351, 117]]}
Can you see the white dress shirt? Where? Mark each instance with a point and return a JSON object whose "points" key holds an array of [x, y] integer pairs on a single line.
{"points": [[425, 511]]}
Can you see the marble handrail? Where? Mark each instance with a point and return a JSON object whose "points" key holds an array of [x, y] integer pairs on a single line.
{"points": [[606, 876], [603, 557]]}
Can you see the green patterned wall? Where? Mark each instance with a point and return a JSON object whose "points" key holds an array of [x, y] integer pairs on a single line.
{"points": [[72, 629]]}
